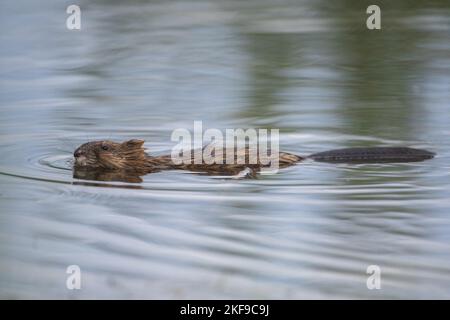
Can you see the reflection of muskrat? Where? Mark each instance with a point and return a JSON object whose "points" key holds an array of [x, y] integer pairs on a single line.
{"points": [[108, 160]]}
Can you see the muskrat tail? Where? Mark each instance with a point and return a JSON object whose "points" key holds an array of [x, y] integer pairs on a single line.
{"points": [[375, 154]]}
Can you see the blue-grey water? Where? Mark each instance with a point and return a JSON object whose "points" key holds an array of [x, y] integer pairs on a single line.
{"points": [[140, 69]]}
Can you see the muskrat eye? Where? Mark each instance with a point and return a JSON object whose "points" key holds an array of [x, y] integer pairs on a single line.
{"points": [[105, 147]]}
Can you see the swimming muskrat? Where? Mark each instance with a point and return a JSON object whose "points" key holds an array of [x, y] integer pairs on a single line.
{"points": [[112, 161]]}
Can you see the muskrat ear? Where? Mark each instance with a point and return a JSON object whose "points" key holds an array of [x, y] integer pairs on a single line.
{"points": [[133, 143]]}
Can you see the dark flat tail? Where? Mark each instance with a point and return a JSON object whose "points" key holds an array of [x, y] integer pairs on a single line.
{"points": [[373, 155]]}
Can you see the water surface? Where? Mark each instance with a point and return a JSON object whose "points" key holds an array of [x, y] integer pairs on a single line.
{"points": [[143, 69]]}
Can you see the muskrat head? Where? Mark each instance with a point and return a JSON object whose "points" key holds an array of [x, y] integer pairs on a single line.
{"points": [[110, 155]]}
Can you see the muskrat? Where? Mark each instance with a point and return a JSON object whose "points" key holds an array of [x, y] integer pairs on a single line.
{"points": [[127, 161]]}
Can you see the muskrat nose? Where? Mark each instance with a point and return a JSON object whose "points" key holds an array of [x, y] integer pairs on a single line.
{"points": [[77, 153], [80, 158]]}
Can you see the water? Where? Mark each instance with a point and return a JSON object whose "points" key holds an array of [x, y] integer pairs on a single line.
{"points": [[141, 70]]}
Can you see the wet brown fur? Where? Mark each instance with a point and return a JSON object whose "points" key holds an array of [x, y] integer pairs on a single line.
{"points": [[111, 157]]}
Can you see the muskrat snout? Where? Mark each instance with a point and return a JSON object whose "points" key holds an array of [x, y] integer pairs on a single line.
{"points": [[85, 156], [80, 158], [77, 153]]}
